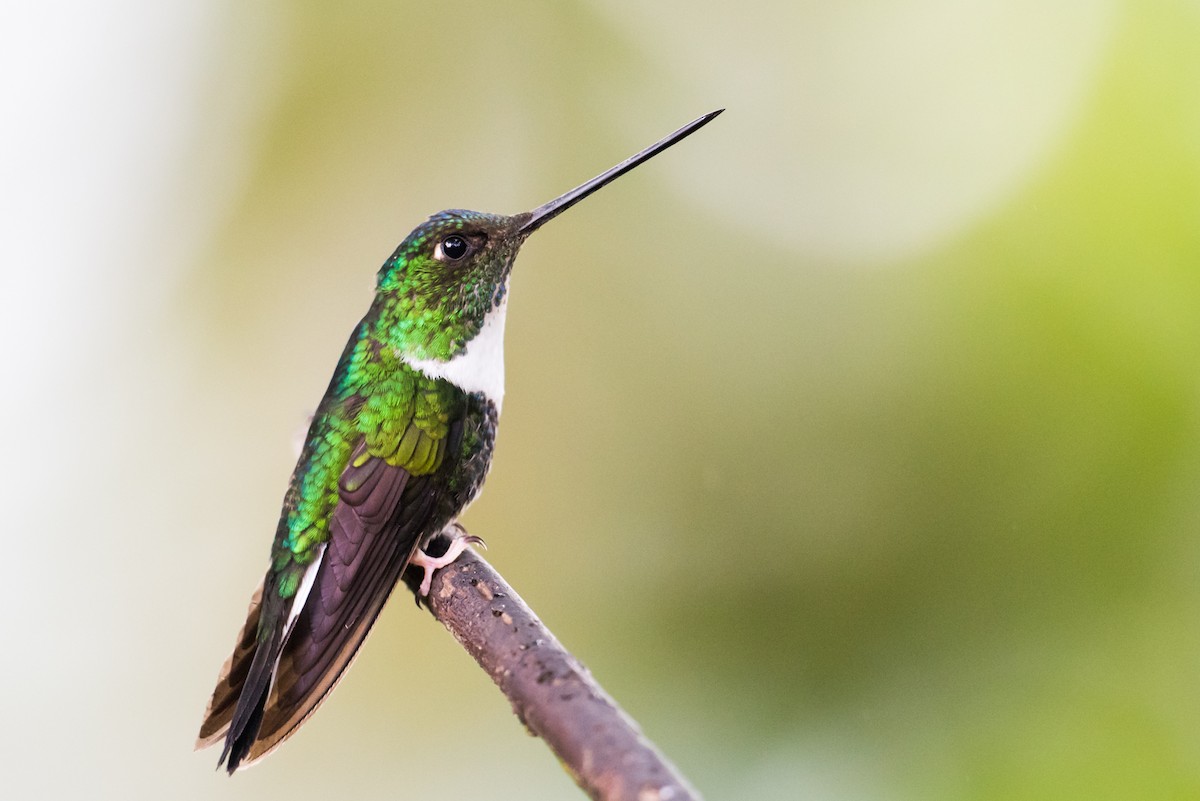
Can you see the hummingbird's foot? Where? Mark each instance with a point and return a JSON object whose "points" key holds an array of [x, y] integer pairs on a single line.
{"points": [[458, 543]]}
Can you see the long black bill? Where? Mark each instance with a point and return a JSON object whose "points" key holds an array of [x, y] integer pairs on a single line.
{"points": [[544, 213]]}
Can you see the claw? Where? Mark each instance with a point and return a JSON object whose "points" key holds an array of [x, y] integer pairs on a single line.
{"points": [[458, 543]]}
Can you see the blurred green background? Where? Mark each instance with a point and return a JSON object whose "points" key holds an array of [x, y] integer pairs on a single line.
{"points": [[853, 444]]}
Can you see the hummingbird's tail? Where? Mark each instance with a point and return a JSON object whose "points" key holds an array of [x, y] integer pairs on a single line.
{"points": [[235, 711]]}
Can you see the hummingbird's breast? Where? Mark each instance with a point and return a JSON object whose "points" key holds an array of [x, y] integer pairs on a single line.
{"points": [[478, 440]]}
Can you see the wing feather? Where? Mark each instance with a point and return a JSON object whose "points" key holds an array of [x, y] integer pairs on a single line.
{"points": [[370, 544]]}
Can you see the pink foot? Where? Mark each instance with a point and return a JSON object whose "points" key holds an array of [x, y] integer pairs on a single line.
{"points": [[458, 543]]}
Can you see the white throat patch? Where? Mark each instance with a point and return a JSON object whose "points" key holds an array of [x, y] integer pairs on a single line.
{"points": [[479, 367]]}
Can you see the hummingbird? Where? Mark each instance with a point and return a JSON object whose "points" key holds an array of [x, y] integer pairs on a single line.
{"points": [[399, 446]]}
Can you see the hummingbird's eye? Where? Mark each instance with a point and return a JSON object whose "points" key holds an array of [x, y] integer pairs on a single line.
{"points": [[454, 247]]}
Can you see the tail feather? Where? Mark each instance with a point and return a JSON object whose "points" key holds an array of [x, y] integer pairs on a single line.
{"points": [[219, 713], [248, 714]]}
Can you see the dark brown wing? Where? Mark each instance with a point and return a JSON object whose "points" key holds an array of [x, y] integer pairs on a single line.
{"points": [[375, 528], [382, 513]]}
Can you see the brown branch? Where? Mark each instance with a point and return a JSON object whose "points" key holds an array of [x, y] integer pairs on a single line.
{"points": [[551, 692]]}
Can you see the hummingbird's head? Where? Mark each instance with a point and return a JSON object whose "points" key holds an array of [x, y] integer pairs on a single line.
{"points": [[448, 281], [439, 286]]}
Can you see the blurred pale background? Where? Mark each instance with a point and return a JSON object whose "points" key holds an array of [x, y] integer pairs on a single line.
{"points": [[854, 444]]}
